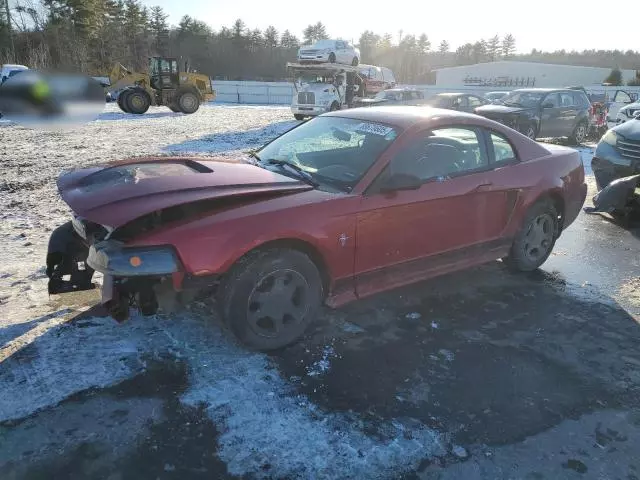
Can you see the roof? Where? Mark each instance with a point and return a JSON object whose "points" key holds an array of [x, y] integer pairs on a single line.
{"points": [[516, 64], [401, 116], [450, 94], [14, 66]]}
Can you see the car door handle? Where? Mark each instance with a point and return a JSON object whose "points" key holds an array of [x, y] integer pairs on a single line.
{"points": [[483, 187]]}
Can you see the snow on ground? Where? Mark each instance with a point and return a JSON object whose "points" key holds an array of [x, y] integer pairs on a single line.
{"points": [[44, 359]]}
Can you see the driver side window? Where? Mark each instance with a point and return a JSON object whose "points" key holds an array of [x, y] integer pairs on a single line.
{"points": [[441, 153]]}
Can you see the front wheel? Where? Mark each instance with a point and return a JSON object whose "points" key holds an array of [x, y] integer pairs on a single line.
{"points": [[270, 297], [355, 61], [334, 106], [332, 57], [138, 102], [297, 116], [188, 102], [535, 239]]}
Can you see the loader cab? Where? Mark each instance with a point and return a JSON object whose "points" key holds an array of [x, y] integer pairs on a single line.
{"points": [[164, 73]]}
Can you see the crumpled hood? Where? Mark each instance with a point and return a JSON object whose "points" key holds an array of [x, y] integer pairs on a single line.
{"points": [[117, 193], [499, 110]]}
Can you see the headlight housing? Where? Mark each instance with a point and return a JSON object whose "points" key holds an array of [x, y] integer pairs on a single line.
{"points": [[610, 137], [111, 258]]}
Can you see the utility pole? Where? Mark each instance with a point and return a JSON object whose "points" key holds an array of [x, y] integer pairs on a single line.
{"points": [[10, 29]]}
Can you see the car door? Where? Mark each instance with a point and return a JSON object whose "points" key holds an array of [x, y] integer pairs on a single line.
{"points": [[568, 115], [405, 235], [550, 125], [619, 100]]}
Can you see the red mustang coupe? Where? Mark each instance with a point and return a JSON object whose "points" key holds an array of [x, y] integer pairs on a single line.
{"points": [[343, 206]]}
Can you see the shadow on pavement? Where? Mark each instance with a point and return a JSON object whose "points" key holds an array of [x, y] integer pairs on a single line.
{"points": [[489, 356]]}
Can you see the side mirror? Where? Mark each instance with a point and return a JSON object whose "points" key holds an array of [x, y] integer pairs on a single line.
{"points": [[401, 181], [547, 105]]}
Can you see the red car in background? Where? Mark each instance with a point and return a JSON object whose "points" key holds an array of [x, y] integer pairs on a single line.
{"points": [[343, 206]]}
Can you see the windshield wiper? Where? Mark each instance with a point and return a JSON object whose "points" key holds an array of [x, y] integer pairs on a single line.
{"points": [[292, 167]]}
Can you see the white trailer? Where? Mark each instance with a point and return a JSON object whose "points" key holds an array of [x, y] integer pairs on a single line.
{"points": [[323, 88]]}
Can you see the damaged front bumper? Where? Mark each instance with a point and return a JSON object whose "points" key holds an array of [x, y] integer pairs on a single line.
{"points": [[131, 274]]}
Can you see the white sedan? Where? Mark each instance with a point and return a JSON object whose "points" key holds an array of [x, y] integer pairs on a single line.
{"points": [[329, 51]]}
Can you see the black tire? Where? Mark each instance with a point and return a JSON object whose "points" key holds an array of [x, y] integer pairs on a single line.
{"points": [[355, 62], [122, 101], [188, 102], [529, 251], [280, 282], [579, 133], [138, 102], [297, 116], [334, 106], [174, 108], [332, 57]]}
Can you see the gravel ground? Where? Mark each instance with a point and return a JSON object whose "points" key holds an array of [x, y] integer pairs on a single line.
{"points": [[475, 375]]}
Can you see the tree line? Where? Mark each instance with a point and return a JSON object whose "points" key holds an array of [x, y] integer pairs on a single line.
{"points": [[91, 35]]}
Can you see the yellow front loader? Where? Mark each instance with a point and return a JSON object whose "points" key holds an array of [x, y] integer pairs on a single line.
{"points": [[163, 84]]}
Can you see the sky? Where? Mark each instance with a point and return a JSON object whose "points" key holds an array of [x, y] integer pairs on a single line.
{"points": [[543, 24]]}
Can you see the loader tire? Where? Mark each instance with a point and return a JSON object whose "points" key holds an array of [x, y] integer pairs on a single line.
{"points": [[173, 108], [188, 102], [122, 101], [138, 102]]}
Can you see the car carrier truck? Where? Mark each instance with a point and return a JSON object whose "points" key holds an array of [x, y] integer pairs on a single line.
{"points": [[323, 88]]}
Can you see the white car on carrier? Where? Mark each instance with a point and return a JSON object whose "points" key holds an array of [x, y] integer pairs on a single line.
{"points": [[329, 51]]}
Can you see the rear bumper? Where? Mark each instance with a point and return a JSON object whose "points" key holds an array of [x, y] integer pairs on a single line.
{"points": [[574, 206]]}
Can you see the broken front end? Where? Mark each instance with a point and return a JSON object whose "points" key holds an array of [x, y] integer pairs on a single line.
{"points": [[132, 276]]}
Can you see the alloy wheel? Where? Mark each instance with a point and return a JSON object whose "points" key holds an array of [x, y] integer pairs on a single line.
{"points": [[539, 237], [278, 302]]}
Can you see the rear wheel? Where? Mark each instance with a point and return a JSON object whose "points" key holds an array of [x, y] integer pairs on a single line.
{"points": [[270, 297], [188, 102], [579, 134], [535, 240], [138, 102], [122, 101], [297, 116]]}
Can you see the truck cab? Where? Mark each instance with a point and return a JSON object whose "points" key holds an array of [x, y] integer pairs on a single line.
{"points": [[322, 88]]}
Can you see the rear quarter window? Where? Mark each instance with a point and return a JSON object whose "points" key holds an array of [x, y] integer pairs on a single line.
{"points": [[503, 151]]}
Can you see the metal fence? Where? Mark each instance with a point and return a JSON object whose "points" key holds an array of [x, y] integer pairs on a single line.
{"points": [[280, 93]]}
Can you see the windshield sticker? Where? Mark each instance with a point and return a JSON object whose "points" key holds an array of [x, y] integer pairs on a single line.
{"points": [[374, 128]]}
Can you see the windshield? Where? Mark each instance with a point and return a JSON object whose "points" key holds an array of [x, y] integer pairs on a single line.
{"points": [[323, 44], [523, 99], [314, 78], [335, 151]]}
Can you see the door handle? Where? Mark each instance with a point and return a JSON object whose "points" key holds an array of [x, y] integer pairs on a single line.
{"points": [[483, 187]]}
